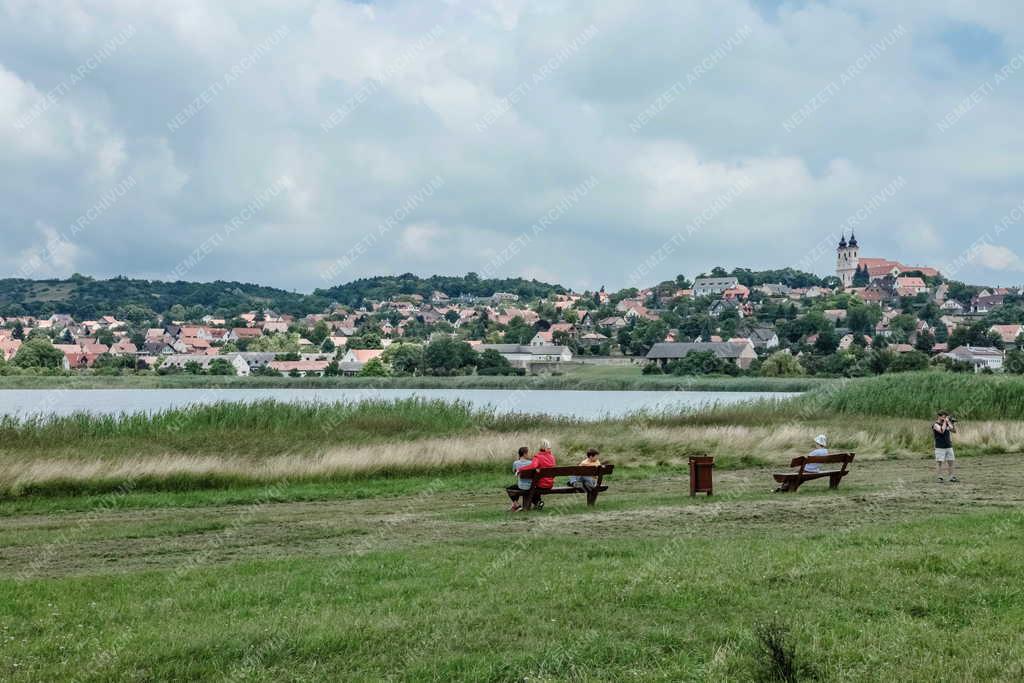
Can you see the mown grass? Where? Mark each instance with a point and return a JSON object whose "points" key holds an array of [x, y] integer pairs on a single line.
{"points": [[588, 596]]}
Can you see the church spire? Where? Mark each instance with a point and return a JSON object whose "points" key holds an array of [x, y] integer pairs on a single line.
{"points": [[842, 241], [853, 239]]}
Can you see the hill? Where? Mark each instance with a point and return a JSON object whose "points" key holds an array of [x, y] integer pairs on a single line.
{"points": [[85, 297]]}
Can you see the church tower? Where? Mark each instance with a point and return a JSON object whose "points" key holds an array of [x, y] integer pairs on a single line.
{"points": [[847, 259]]}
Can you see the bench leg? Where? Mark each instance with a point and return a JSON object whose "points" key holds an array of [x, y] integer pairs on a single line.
{"points": [[833, 480], [792, 485], [591, 498], [527, 500]]}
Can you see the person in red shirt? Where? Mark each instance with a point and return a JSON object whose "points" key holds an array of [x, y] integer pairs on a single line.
{"points": [[543, 458]]}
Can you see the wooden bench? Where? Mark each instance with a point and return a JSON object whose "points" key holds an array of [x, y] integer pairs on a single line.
{"points": [[791, 481], [534, 493]]}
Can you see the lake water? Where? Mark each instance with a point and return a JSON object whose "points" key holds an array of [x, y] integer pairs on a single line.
{"points": [[588, 405]]}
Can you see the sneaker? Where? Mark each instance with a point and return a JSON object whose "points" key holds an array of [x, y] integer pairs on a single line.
{"points": [[953, 478], [515, 508], [941, 480]]}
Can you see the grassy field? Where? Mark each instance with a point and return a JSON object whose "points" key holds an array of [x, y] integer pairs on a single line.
{"points": [[572, 377], [891, 577]]}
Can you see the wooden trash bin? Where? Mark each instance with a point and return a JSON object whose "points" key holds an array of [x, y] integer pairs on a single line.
{"points": [[701, 479]]}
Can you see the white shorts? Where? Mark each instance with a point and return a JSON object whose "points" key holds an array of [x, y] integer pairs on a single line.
{"points": [[944, 455]]}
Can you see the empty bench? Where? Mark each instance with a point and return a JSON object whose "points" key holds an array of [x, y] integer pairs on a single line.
{"points": [[534, 494], [791, 481]]}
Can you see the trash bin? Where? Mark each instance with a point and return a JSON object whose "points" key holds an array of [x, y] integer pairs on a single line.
{"points": [[701, 480]]}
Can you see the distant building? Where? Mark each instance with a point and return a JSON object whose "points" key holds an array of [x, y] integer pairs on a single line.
{"points": [[741, 353], [981, 357], [847, 260], [710, 286], [523, 355]]}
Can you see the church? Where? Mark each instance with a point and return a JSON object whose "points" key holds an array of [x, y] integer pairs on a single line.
{"points": [[849, 263]]}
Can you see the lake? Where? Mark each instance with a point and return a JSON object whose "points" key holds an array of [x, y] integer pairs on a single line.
{"points": [[588, 405]]}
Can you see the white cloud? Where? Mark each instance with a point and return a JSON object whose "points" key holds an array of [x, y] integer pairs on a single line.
{"points": [[418, 122], [996, 257]]}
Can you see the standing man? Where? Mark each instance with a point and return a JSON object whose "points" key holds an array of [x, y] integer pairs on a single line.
{"points": [[943, 430]]}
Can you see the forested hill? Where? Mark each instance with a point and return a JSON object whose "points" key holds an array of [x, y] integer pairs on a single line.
{"points": [[85, 298], [383, 287]]}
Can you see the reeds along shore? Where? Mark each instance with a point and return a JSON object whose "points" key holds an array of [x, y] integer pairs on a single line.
{"points": [[233, 444]]}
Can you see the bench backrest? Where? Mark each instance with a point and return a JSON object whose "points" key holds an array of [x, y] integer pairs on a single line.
{"points": [[845, 458], [576, 470]]}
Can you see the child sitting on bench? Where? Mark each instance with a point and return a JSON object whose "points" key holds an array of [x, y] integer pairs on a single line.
{"points": [[516, 490], [586, 483]]}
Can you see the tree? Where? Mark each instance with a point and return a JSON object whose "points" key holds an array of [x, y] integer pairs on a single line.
{"points": [[702, 363], [193, 368], [493, 363], [446, 356], [518, 332], [781, 364], [910, 361], [925, 341], [18, 332], [221, 366], [861, 277], [374, 368], [827, 342], [404, 359], [105, 337], [319, 333], [38, 353]]}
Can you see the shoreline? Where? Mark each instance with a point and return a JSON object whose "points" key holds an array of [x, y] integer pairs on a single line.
{"points": [[567, 382]]}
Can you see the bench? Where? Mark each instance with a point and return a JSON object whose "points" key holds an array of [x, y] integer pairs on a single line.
{"points": [[791, 481], [532, 495]]}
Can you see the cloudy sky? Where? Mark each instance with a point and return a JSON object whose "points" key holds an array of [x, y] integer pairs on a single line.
{"points": [[301, 143]]}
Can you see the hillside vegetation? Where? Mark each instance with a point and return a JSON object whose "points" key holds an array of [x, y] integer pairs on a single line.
{"points": [[384, 287], [84, 297]]}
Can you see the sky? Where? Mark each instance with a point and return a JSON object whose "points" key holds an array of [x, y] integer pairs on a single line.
{"points": [[305, 143]]}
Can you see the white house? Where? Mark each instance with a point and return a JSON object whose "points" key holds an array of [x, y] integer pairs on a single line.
{"points": [[981, 357], [708, 286], [179, 361], [522, 356]]}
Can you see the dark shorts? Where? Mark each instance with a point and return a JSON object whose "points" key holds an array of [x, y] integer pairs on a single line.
{"points": [[514, 492]]}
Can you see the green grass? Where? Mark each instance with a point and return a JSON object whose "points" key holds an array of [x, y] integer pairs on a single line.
{"points": [[922, 394], [870, 582], [263, 427]]}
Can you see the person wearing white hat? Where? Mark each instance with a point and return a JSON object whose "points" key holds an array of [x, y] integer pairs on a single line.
{"points": [[821, 441]]}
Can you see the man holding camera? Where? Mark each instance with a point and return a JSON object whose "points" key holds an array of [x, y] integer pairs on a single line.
{"points": [[943, 430]]}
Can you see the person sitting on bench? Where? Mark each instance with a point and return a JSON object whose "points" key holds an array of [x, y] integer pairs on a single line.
{"points": [[543, 458], [515, 491], [586, 483], [821, 441]]}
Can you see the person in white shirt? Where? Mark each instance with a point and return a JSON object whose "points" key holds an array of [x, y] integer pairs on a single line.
{"points": [[821, 441]]}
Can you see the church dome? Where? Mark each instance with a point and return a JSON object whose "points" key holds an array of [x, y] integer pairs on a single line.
{"points": [[842, 241], [853, 240]]}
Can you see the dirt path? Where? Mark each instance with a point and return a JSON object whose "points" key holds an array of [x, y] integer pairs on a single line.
{"points": [[110, 541]]}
